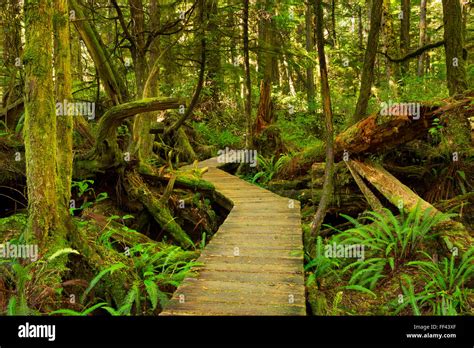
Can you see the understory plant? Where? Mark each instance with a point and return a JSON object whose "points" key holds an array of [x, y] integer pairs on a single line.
{"points": [[391, 242], [445, 290], [268, 168], [156, 270]]}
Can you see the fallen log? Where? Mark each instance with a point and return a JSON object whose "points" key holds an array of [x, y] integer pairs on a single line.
{"points": [[373, 201], [380, 132], [453, 234]]}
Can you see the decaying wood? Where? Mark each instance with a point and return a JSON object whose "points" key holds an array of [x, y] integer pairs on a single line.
{"points": [[453, 233], [373, 201], [378, 132]]}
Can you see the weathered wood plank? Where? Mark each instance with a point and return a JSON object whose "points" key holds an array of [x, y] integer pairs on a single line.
{"points": [[254, 263]]}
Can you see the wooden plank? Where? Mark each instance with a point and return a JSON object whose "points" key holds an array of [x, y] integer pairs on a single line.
{"points": [[212, 308], [249, 277], [232, 250], [253, 265]]}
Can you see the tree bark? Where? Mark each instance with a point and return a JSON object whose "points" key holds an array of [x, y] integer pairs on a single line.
{"points": [[369, 61], [422, 39], [265, 104], [310, 89], [453, 234], [405, 34], [454, 45], [63, 91], [40, 122], [382, 132], [458, 130], [248, 80], [326, 100], [106, 148]]}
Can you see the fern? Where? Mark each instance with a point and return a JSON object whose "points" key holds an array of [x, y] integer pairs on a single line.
{"points": [[101, 274], [392, 241]]}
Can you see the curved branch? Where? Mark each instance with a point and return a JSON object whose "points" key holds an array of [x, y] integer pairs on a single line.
{"points": [[106, 146], [196, 94], [414, 54]]}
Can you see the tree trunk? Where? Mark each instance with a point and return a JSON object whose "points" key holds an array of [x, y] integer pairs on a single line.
{"points": [[458, 130], [369, 61], [265, 104], [326, 100], [142, 139], [40, 122], [112, 82], [454, 46], [453, 234], [422, 40], [63, 91], [248, 80], [388, 34], [213, 54], [381, 132], [405, 34], [310, 90]]}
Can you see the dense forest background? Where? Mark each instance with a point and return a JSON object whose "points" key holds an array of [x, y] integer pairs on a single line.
{"points": [[361, 110]]}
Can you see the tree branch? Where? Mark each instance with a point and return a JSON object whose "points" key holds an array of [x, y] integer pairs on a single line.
{"points": [[414, 54]]}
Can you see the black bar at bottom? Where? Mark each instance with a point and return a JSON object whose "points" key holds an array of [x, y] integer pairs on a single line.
{"points": [[224, 331]]}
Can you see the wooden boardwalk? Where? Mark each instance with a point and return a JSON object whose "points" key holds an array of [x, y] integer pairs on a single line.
{"points": [[253, 265]]}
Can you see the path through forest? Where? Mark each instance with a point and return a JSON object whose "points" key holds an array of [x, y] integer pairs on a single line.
{"points": [[254, 263]]}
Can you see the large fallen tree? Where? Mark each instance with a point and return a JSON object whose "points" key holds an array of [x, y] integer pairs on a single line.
{"points": [[453, 235], [383, 131]]}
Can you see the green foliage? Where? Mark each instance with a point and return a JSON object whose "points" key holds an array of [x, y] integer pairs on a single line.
{"points": [[320, 266], [156, 269], [268, 168], [84, 313], [99, 276], [83, 188], [445, 291], [221, 138], [22, 277], [392, 242]]}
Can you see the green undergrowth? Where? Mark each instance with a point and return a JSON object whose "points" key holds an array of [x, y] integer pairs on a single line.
{"points": [[389, 265], [146, 272]]}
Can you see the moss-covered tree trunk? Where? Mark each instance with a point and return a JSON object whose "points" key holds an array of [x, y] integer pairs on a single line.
{"points": [[454, 45], [63, 91], [369, 61], [458, 128], [142, 139], [213, 54], [40, 121]]}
